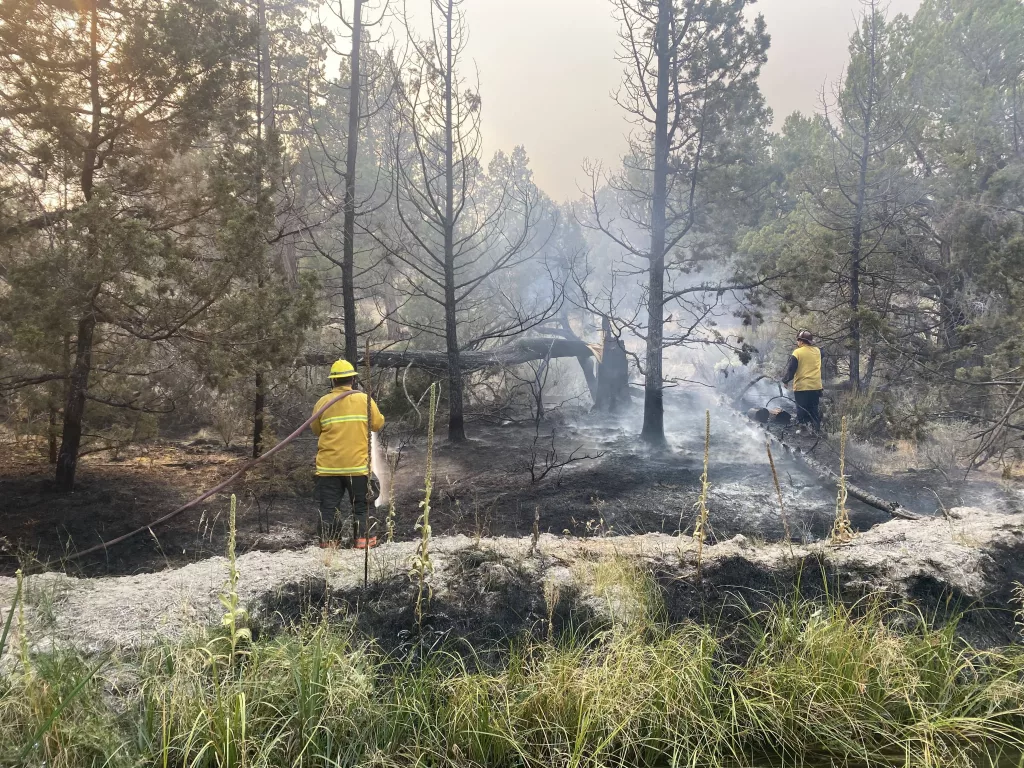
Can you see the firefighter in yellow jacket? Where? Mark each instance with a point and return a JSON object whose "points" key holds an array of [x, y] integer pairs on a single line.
{"points": [[804, 370], [342, 457]]}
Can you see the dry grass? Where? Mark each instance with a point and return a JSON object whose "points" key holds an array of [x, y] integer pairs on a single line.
{"points": [[801, 684]]}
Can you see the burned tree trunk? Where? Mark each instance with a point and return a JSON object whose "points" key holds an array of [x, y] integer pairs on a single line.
{"points": [[612, 374]]}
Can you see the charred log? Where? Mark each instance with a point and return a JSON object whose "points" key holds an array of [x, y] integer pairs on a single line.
{"points": [[513, 353], [891, 507], [773, 416], [760, 415]]}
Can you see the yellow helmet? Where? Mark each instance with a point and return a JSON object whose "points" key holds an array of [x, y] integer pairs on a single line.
{"points": [[342, 369]]}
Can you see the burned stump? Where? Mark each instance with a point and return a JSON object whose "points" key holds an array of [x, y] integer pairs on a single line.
{"points": [[773, 416]]}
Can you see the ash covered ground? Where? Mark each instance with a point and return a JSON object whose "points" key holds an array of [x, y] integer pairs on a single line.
{"points": [[482, 488]]}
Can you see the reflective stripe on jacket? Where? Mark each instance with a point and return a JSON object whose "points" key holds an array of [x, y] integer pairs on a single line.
{"points": [[808, 369], [343, 438]]}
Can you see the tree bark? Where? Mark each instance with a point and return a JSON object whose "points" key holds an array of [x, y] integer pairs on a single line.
{"points": [[53, 414], [259, 410], [391, 325], [952, 316], [857, 236], [612, 373], [855, 268], [266, 104], [74, 410], [265, 126], [78, 385], [653, 432], [456, 421], [348, 290]]}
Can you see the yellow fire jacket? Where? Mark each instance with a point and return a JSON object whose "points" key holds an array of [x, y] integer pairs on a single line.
{"points": [[341, 429], [807, 375]]}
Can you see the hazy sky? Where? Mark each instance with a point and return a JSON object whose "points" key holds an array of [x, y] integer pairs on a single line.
{"points": [[548, 68]]}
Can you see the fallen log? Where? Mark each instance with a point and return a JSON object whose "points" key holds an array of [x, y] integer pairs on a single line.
{"points": [[773, 416], [760, 415], [894, 508], [608, 388], [736, 401], [514, 353]]}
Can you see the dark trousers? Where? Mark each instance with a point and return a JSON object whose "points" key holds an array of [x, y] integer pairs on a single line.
{"points": [[808, 407], [330, 494]]}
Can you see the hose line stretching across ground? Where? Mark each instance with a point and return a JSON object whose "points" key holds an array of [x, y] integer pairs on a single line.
{"points": [[212, 491]]}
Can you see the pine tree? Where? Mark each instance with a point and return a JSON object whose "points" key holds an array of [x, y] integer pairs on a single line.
{"points": [[115, 114]]}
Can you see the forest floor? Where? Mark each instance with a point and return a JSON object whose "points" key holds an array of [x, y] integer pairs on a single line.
{"points": [[612, 565], [483, 488], [489, 591]]}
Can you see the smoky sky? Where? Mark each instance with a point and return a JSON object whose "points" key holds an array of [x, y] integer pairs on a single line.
{"points": [[548, 70]]}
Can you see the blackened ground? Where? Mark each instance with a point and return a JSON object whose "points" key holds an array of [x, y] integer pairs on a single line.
{"points": [[491, 603], [38, 525], [731, 590], [482, 488]]}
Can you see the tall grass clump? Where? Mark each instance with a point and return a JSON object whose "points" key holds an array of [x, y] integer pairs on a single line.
{"points": [[51, 707], [297, 700]]}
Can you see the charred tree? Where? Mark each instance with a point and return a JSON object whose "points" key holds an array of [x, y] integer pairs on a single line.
{"points": [[612, 385], [348, 289], [690, 88], [458, 227]]}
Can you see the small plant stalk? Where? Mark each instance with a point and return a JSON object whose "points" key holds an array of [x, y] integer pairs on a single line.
{"points": [[370, 499], [842, 530], [22, 626], [393, 468], [778, 492], [700, 529], [551, 594], [235, 617], [10, 613], [535, 538], [1018, 614], [422, 567]]}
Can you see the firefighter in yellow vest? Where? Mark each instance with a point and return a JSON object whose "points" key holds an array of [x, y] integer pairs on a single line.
{"points": [[342, 457], [804, 370]]}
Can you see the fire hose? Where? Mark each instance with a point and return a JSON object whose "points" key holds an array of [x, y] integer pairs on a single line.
{"points": [[217, 489]]}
